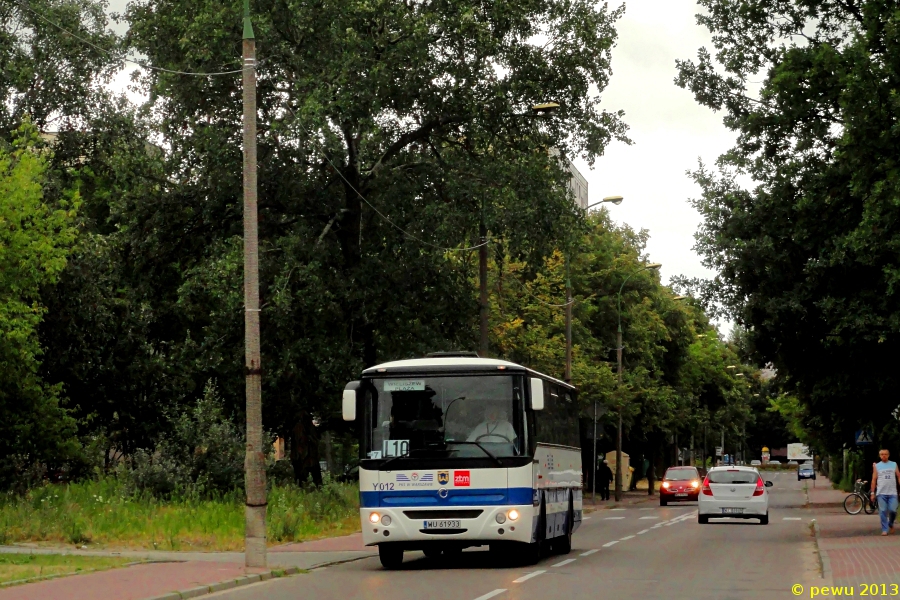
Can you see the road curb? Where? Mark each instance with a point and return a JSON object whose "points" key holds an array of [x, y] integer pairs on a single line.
{"points": [[227, 585], [827, 573]]}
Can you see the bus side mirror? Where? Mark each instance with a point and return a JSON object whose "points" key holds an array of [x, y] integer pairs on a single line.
{"points": [[537, 394], [348, 404]]}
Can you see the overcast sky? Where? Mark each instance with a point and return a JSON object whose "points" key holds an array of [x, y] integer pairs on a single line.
{"points": [[669, 129]]}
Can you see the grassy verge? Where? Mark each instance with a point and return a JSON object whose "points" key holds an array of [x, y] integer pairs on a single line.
{"points": [[102, 513], [15, 567]]}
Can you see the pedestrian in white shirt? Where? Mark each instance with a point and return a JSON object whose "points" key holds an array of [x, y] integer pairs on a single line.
{"points": [[884, 488]]}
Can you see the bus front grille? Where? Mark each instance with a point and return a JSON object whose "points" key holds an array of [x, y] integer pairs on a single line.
{"points": [[443, 514], [443, 531]]}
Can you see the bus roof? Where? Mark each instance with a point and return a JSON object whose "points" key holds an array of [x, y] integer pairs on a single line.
{"points": [[454, 363]]}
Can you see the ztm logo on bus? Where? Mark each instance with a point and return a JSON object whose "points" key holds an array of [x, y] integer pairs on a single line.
{"points": [[461, 478]]}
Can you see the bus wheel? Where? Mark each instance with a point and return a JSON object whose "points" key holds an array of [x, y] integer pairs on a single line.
{"points": [[563, 544], [391, 556]]}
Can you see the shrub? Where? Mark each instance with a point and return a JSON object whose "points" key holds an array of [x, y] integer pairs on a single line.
{"points": [[201, 455]]}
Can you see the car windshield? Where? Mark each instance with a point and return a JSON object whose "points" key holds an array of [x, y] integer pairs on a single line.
{"points": [[681, 474], [733, 476], [455, 416]]}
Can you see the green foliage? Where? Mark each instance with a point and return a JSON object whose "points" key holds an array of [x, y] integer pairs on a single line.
{"points": [[807, 257], [19, 567], [201, 454], [105, 512], [35, 238], [675, 367]]}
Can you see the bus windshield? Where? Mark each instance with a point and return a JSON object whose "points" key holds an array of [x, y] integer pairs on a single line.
{"points": [[446, 416]]}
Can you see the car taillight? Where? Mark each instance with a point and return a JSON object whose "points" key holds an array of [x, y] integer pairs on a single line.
{"points": [[760, 487], [695, 484], [707, 491], [665, 484]]}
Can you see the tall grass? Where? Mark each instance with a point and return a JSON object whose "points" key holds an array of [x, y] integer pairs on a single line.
{"points": [[104, 513]]}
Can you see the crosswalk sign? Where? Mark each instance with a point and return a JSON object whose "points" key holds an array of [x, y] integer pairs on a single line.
{"points": [[864, 436]]}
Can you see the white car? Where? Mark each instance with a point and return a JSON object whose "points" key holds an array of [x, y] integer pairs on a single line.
{"points": [[733, 492], [755, 463]]}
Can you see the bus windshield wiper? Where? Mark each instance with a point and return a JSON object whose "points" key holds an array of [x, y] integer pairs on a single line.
{"points": [[483, 449], [382, 466]]}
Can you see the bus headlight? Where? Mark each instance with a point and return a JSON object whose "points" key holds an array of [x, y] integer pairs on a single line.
{"points": [[513, 514], [386, 520], [374, 517], [501, 518]]}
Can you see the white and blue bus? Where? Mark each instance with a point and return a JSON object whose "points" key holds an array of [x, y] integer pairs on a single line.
{"points": [[459, 451]]}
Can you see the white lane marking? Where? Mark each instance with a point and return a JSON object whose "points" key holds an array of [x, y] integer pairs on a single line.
{"points": [[613, 518], [589, 552], [643, 532], [585, 518], [645, 509], [525, 578], [491, 594], [565, 562], [627, 537], [791, 519], [619, 509], [649, 517], [608, 544]]}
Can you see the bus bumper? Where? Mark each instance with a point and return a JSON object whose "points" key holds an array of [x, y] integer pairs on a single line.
{"points": [[407, 524]]}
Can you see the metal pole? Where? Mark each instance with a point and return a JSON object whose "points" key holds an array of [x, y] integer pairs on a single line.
{"points": [[594, 461], [619, 431], [483, 299], [254, 461], [568, 376], [723, 445]]}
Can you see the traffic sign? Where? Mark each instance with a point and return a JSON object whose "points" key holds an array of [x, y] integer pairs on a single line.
{"points": [[718, 450], [864, 436]]}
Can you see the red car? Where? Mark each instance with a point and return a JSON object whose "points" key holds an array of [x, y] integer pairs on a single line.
{"points": [[679, 483]]}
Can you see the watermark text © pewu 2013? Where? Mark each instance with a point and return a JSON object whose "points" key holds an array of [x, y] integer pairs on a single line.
{"points": [[863, 589]]}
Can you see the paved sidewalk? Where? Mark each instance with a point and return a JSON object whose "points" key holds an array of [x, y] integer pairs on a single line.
{"points": [[175, 571], [852, 547], [821, 493]]}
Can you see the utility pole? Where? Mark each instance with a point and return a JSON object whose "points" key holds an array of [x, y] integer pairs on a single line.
{"points": [[482, 281], [619, 432], [723, 445], [254, 461], [568, 376], [594, 461]]}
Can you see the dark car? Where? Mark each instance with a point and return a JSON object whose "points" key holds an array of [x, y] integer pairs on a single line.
{"points": [[806, 472], [679, 483]]}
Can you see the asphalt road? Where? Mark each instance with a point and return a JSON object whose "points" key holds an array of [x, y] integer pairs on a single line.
{"points": [[639, 552]]}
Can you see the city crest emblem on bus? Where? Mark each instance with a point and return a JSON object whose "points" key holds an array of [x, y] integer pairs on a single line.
{"points": [[443, 477]]}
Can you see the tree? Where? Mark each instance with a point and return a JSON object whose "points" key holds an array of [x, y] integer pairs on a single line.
{"points": [[675, 380], [391, 136], [35, 238], [807, 257]]}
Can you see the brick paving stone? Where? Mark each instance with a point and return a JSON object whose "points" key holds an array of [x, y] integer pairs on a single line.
{"points": [[127, 583], [856, 550]]}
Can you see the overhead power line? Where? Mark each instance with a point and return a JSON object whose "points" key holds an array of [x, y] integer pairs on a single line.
{"points": [[23, 5], [397, 227]]}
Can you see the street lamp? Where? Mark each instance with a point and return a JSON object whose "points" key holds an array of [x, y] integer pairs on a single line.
{"points": [[542, 109], [568, 377], [619, 375], [611, 199]]}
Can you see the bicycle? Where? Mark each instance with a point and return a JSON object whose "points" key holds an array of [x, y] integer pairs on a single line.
{"points": [[859, 500]]}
